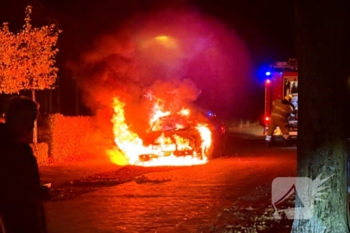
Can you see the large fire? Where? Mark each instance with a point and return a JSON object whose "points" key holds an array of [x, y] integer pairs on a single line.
{"points": [[175, 149], [195, 63]]}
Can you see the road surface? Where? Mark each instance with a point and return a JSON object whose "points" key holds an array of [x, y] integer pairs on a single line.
{"points": [[228, 194]]}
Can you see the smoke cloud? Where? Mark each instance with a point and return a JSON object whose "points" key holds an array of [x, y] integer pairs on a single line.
{"points": [[177, 55]]}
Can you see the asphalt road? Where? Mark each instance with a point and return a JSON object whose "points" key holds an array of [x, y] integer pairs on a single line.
{"points": [[228, 194]]}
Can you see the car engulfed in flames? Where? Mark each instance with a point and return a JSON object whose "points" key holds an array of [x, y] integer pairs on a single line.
{"points": [[173, 139], [174, 135]]}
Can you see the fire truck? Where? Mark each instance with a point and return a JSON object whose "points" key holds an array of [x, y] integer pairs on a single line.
{"points": [[280, 80]]}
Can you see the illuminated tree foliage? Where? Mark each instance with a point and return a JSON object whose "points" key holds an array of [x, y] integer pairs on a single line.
{"points": [[27, 58]]}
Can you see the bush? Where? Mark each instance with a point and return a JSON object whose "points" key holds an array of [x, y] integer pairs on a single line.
{"points": [[74, 138]]}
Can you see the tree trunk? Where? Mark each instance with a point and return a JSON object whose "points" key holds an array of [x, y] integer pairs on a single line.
{"points": [[35, 129], [322, 46]]}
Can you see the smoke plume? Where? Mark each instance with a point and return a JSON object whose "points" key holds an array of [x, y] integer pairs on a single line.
{"points": [[179, 56]]}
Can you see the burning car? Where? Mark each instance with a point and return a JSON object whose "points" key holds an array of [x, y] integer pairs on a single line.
{"points": [[181, 136], [173, 136]]}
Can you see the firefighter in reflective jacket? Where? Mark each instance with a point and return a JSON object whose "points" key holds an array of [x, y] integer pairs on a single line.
{"points": [[279, 117]]}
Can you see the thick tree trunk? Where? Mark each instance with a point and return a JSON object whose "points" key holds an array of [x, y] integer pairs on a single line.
{"points": [[322, 43]]}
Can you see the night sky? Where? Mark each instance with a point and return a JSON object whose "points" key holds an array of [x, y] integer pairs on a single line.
{"points": [[264, 26]]}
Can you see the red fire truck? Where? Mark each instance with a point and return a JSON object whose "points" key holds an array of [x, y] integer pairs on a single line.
{"points": [[281, 79]]}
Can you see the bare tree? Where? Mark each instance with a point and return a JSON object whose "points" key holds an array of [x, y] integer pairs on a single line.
{"points": [[322, 44]]}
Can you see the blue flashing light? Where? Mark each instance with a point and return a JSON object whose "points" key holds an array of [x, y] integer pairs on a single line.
{"points": [[210, 114], [264, 72]]}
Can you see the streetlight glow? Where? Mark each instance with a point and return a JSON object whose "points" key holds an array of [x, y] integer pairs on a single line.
{"points": [[162, 38]]}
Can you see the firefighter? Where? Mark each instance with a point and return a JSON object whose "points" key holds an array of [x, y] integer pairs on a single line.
{"points": [[282, 109]]}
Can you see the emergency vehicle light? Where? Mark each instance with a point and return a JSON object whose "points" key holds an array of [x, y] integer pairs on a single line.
{"points": [[268, 81], [267, 73], [266, 120]]}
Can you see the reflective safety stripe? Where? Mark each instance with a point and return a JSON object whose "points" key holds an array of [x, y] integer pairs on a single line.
{"points": [[293, 133], [281, 109], [277, 115], [268, 138]]}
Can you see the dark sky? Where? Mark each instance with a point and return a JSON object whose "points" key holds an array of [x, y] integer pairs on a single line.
{"points": [[265, 26], [266, 23]]}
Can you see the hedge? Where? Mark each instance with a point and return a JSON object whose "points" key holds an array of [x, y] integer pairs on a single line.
{"points": [[73, 138], [40, 151]]}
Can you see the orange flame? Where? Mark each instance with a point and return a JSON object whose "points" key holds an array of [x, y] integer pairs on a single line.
{"points": [[168, 151], [185, 112], [158, 113]]}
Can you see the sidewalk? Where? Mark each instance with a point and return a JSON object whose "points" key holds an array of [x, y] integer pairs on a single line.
{"points": [[58, 174]]}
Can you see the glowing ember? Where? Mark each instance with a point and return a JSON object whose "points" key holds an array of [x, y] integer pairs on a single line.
{"points": [[170, 143]]}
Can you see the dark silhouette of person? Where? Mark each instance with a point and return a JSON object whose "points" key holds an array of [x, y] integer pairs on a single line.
{"points": [[21, 194]]}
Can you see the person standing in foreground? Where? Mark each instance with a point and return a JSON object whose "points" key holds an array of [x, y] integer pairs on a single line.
{"points": [[21, 210], [279, 117]]}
